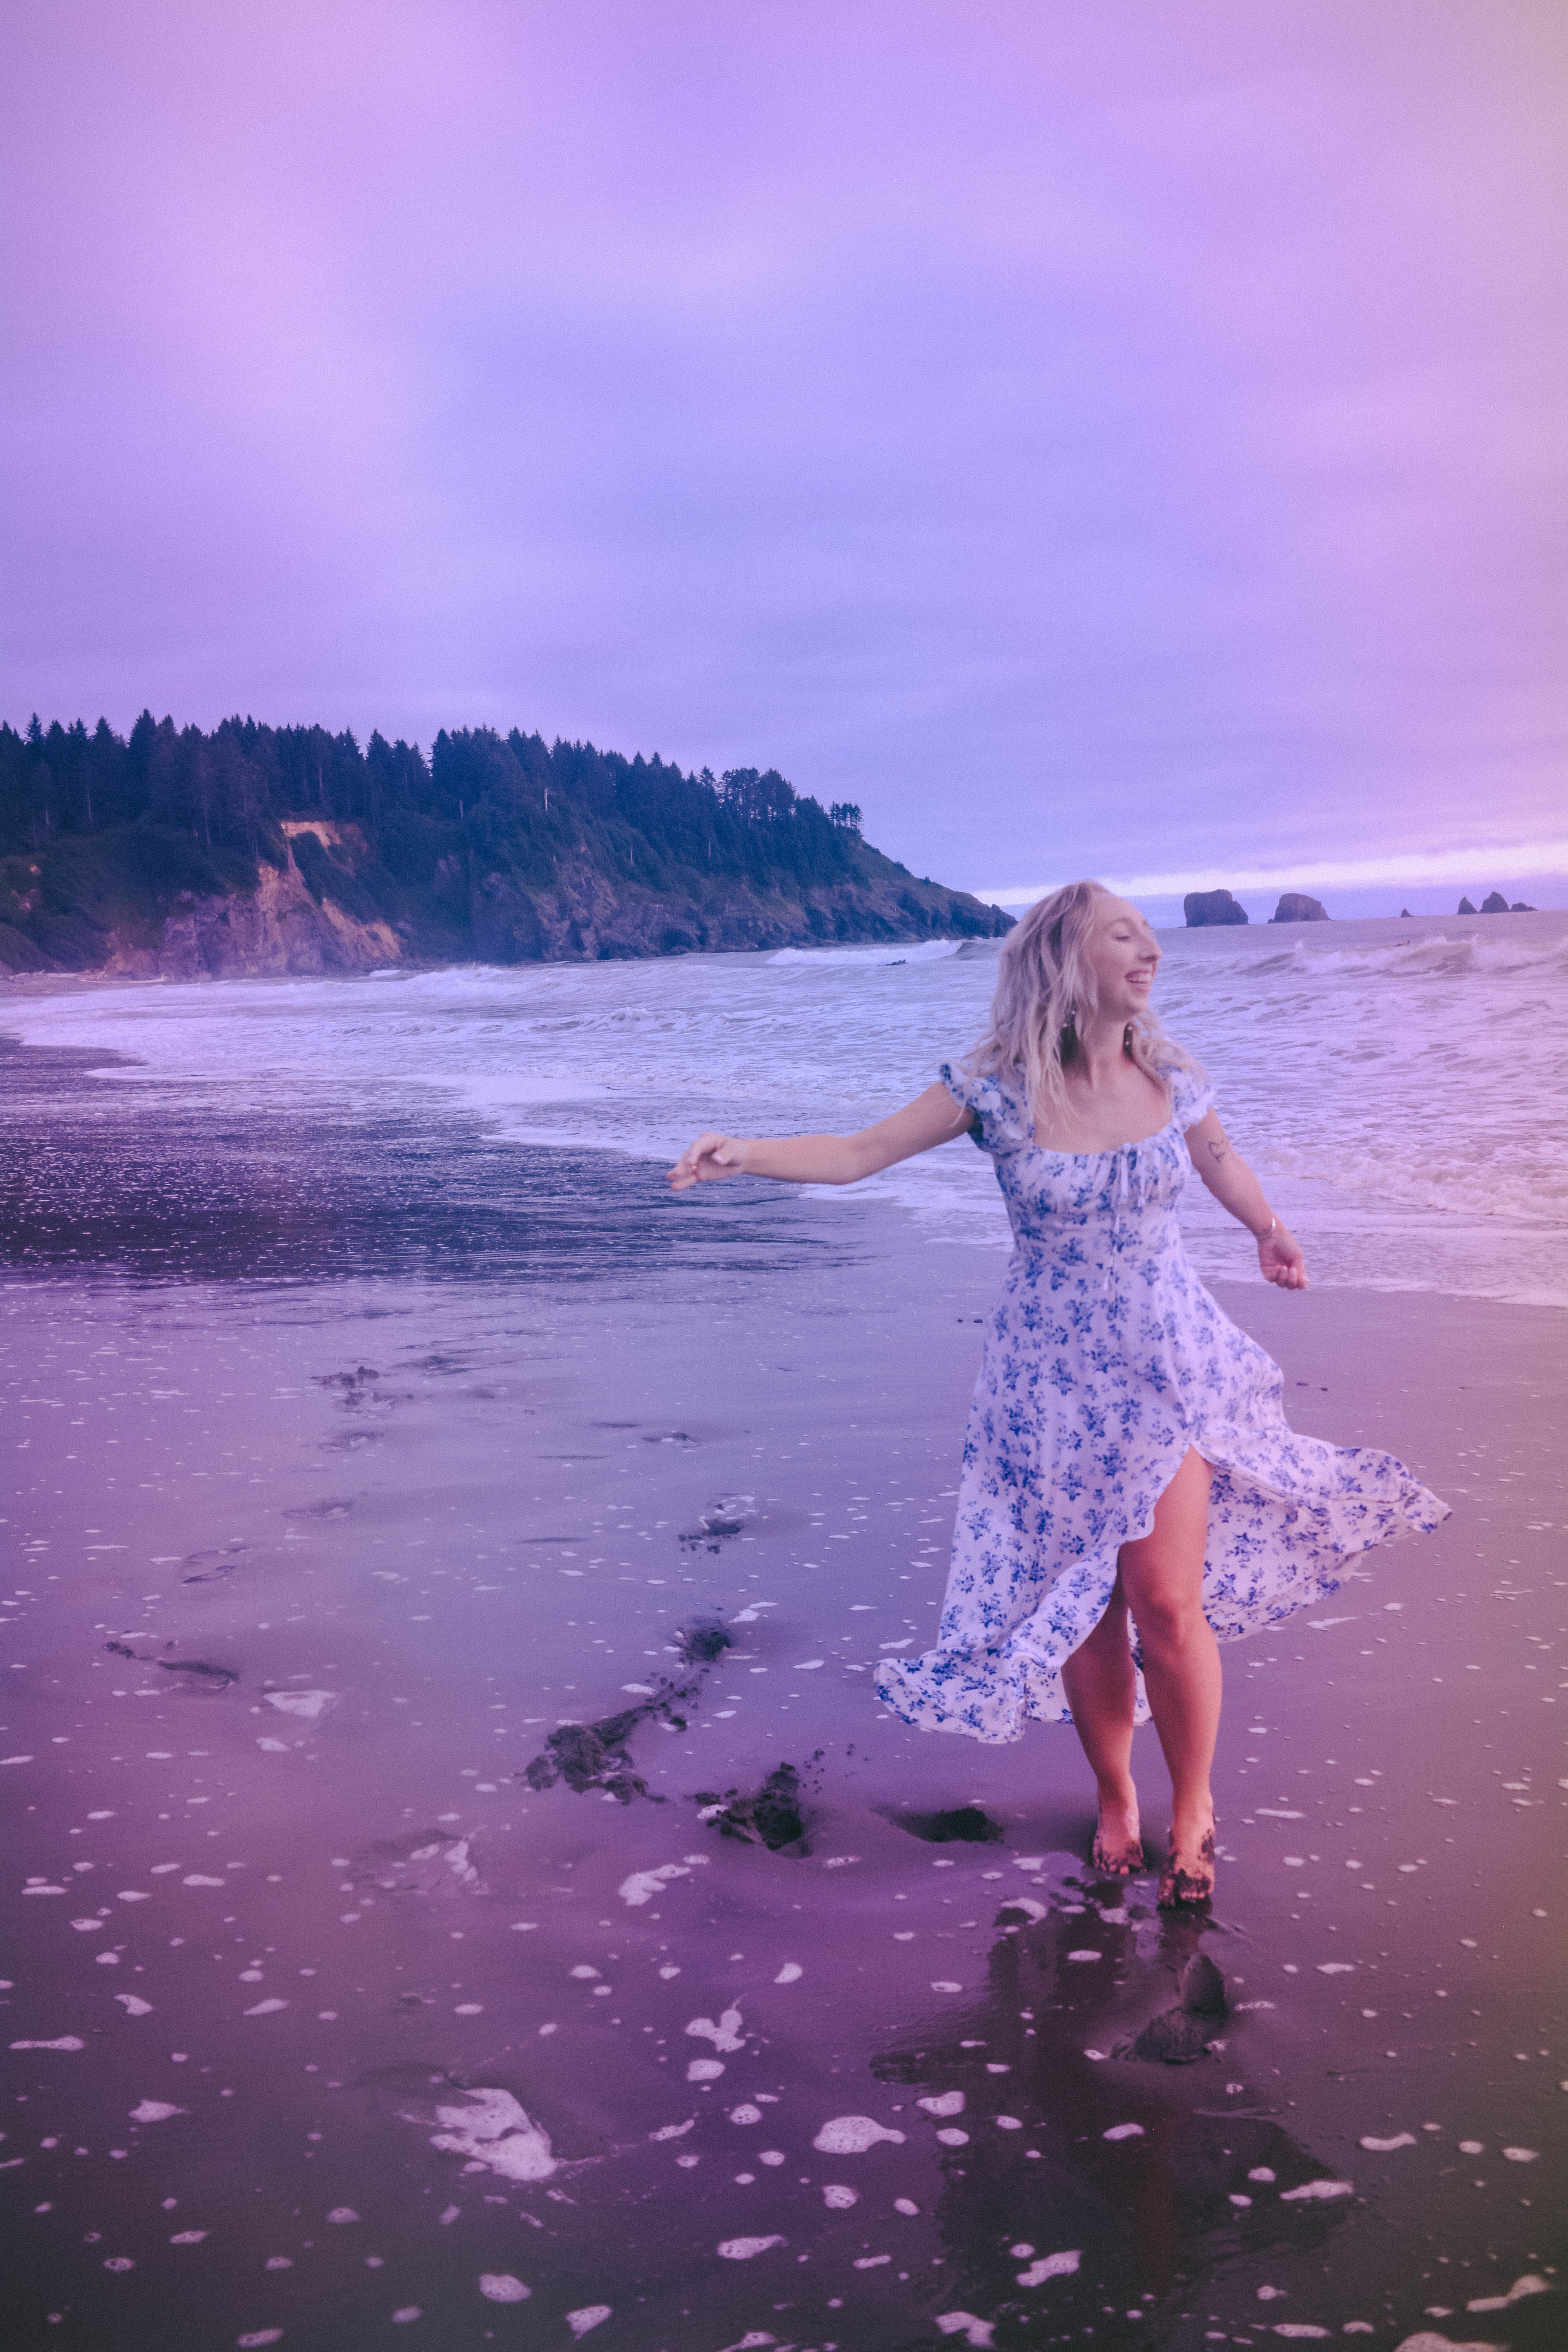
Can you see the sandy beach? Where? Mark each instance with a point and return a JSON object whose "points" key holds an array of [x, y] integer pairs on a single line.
{"points": [[349, 1467]]}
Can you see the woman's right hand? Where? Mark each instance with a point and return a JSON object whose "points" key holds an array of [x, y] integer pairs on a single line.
{"points": [[706, 1160]]}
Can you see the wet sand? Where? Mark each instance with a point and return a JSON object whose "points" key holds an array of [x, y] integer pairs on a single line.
{"points": [[349, 1467]]}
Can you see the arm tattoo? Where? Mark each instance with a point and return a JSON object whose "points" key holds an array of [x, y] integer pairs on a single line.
{"points": [[1217, 1152]]}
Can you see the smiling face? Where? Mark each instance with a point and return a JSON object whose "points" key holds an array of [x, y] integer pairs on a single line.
{"points": [[1123, 955]]}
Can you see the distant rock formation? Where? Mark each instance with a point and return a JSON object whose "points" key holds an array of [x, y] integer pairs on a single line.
{"points": [[1405, 915], [1494, 903], [1521, 907], [1466, 908], [1207, 907], [1295, 907]]}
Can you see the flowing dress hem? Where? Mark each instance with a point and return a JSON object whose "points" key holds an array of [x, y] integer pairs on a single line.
{"points": [[1019, 1679]]}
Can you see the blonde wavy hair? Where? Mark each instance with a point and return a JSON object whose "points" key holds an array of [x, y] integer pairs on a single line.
{"points": [[1046, 986]]}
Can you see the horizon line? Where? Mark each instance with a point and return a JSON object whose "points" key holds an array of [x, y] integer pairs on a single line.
{"points": [[1537, 857]]}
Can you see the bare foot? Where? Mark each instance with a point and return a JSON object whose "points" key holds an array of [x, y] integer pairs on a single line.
{"points": [[1187, 1879], [1118, 1849]]}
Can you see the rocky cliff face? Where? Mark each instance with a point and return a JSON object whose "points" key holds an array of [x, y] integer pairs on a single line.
{"points": [[312, 915], [277, 928]]}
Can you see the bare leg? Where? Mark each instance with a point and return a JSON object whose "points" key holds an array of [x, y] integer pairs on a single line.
{"points": [[1101, 1687], [1162, 1578]]}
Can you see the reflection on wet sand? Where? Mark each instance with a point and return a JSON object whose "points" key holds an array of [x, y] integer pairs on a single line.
{"points": [[107, 1179], [1152, 2181]]}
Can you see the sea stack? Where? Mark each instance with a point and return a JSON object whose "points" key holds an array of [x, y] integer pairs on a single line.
{"points": [[1494, 903], [1466, 908], [1295, 907], [1205, 907]]}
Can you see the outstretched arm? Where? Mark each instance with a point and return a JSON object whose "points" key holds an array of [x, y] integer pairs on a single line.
{"points": [[1235, 1188], [933, 1117]]}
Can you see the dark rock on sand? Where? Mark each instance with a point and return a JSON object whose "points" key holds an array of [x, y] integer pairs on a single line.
{"points": [[1182, 2033], [1295, 907], [771, 1814], [1172, 2039], [595, 1755], [964, 1825], [714, 1527], [592, 1756], [1203, 1988], [702, 1642], [217, 1677], [1210, 906]]}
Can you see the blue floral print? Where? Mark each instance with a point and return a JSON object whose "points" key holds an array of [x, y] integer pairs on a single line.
{"points": [[1104, 1361]]}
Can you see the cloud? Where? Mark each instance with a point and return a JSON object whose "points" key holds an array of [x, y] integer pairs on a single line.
{"points": [[944, 406]]}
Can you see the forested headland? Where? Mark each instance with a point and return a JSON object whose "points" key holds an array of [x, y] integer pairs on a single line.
{"points": [[257, 849]]}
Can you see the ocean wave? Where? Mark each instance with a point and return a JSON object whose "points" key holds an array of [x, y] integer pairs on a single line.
{"points": [[1403, 1093], [1439, 954], [922, 951]]}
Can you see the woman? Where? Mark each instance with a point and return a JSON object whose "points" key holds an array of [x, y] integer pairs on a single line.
{"points": [[1130, 1487]]}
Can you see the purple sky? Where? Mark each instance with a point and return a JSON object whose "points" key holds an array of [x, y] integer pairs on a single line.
{"points": [[1116, 437]]}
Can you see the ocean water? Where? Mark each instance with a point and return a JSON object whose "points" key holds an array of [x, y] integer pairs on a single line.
{"points": [[1401, 1086]]}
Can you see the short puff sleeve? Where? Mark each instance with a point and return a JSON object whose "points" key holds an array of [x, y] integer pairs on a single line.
{"points": [[1004, 1125], [1191, 1096]]}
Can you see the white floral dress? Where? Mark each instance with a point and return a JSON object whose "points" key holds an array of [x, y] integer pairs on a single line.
{"points": [[1105, 1359]]}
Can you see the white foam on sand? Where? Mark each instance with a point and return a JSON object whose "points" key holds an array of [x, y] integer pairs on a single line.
{"points": [[1050, 2267], [644, 1884], [852, 2136], [1531, 2283], [727, 2035], [307, 1703], [500, 2286], [942, 2103], [494, 2130]]}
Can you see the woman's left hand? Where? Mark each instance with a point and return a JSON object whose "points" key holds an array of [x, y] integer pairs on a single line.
{"points": [[1280, 1260]]}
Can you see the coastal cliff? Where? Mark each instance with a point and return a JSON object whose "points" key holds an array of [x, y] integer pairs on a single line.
{"points": [[268, 851]]}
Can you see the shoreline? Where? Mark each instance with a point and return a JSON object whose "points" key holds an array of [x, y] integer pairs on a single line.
{"points": [[1433, 1252]]}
